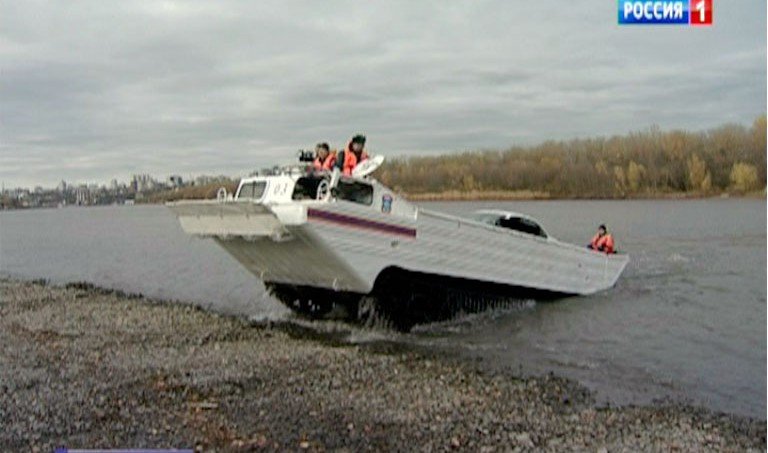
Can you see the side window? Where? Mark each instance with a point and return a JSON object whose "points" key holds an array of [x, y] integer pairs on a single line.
{"points": [[252, 190], [354, 191]]}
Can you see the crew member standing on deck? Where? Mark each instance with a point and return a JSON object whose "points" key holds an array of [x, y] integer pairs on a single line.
{"points": [[352, 155], [602, 241]]}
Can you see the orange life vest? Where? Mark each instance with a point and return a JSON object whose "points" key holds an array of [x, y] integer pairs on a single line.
{"points": [[326, 164], [350, 160], [603, 243]]}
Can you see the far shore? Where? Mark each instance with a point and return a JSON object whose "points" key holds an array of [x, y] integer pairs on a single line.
{"points": [[496, 195], [209, 192]]}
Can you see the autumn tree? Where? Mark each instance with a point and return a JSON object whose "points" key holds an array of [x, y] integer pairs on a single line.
{"points": [[698, 174], [651, 162], [635, 176], [744, 177]]}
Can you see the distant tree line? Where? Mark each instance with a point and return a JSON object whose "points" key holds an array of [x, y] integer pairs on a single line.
{"points": [[730, 158]]}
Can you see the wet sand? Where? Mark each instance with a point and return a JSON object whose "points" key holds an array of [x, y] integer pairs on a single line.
{"points": [[87, 368]]}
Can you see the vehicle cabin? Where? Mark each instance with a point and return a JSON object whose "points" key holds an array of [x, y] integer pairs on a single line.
{"points": [[511, 221], [305, 188], [287, 188]]}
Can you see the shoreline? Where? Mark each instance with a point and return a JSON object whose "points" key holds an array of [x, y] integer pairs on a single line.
{"points": [[479, 196], [476, 197], [471, 197], [545, 196], [90, 367]]}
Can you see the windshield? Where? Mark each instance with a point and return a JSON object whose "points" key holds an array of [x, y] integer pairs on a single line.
{"points": [[490, 219], [516, 223], [306, 188], [522, 225]]}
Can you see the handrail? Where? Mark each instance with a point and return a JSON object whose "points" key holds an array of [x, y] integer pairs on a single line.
{"points": [[221, 194]]}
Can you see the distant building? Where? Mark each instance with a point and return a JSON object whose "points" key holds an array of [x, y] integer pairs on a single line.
{"points": [[82, 195], [143, 183], [176, 181]]}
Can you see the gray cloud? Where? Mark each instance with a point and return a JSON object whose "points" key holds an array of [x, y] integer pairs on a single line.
{"points": [[95, 90]]}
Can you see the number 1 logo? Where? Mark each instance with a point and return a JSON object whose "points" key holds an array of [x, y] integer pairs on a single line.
{"points": [[701, 12]]}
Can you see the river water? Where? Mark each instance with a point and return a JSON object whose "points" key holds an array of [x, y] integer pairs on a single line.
{"points": [[687, 319]]}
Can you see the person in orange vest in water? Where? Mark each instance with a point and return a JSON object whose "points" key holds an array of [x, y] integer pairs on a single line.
{"points": [[325, 157], [352, 155], [602, 241]]}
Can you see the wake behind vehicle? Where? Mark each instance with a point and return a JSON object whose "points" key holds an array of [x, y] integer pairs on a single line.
{"points": [[350, 247]]}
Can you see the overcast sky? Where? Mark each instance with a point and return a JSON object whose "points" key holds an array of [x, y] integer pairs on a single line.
{"points": [[91, 91]]}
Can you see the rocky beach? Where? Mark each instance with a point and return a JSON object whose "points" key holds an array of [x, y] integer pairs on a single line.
{"points": [[83, 367]]}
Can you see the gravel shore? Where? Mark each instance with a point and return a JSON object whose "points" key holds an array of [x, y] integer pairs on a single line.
{"points": [[87, 368]]}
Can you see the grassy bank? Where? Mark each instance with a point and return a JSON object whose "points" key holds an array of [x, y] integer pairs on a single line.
{"points": [[83, 367]]}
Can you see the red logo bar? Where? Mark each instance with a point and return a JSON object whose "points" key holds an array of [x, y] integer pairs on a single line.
{"points": [[701, 12]]}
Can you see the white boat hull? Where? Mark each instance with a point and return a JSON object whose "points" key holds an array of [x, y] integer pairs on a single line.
{"points": [[343, 247]]}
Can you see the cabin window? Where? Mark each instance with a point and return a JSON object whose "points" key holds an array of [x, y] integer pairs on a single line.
{"points": [[252, 190], [522, 225], [354, 191], [306, 188]]}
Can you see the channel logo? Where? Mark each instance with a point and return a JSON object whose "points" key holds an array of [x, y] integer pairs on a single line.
{"points": [[665, 12]]}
